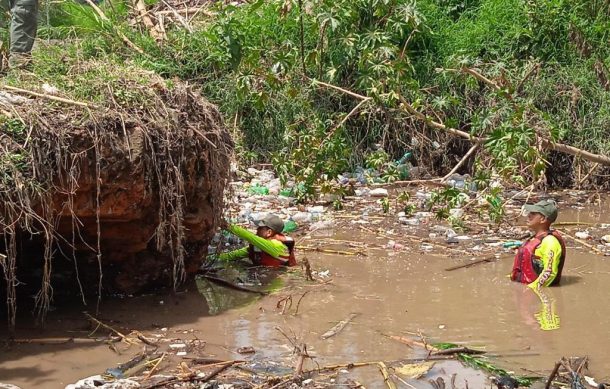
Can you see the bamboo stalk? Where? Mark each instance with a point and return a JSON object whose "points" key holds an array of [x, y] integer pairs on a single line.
{"points": [[46, 96], [582, 242], [386, 376], [461, 162], [99, 323]]}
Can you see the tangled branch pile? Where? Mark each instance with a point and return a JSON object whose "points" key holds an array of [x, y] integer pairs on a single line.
{"points": [[130, 184]]}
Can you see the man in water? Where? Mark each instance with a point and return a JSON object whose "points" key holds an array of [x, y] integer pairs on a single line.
{"points": [[539, 261], [268, 247]]}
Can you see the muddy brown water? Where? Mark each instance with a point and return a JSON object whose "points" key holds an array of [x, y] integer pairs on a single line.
{"points": [[393, 292]]}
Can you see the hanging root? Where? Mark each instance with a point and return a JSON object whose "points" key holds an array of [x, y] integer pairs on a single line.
{"points": [[146, 163]]}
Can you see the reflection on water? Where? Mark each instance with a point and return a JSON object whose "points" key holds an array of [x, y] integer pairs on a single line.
{"points": [[539, 307], [547, 315], [221, 298]]}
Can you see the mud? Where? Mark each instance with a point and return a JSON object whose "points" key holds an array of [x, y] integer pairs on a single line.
{"points": [[393, 292]]}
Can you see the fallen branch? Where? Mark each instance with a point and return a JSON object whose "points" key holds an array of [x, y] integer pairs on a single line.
{"points": [[230, 285], [386, 375], [472, 263], [552, 375], [54, 341], [180, 18], [458, 350], [591, 171], [410, 342], [99, 323], [152, 370], [339, 326], [337, 88], [328, 251], [218, 370], [582, 242], [145, 340], [461, 162], [302, 351], [352, 112], [547, 144], [299, 302], [154, 32], [46, 96]]}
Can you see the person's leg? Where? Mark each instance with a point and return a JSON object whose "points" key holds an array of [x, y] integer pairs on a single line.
{"points": [[24, 25]]}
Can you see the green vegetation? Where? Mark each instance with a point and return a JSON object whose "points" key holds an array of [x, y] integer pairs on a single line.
{"points": [[482, 362], [259, 62]]}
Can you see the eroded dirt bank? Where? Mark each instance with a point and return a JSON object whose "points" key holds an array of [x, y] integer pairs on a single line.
{"points": [[395, 290], [125, 190]]}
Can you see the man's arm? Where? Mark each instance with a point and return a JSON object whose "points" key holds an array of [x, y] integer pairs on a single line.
{"points": [[275, 248], [233, 255], [549, 252]]}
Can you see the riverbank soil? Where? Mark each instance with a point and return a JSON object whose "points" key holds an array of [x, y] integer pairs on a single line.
{"points": [[380, 280], [120, 194]]}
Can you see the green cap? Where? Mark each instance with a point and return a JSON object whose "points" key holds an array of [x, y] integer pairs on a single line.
{"points": [[548, 208], [272, 221]]}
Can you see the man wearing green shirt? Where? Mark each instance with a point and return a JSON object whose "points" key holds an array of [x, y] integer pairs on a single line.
{"points": [[268, 247]]}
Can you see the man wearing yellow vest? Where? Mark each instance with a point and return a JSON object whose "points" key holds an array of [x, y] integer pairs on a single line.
{"points": [[539, 261]]}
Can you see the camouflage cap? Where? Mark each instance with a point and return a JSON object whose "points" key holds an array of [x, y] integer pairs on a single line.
{"points": [[272, 221], [548, 208]]}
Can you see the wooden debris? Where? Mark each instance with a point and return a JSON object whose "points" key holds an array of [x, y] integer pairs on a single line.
{"points": [[458, 350], [472, 263], [552, 375], [99, 323], [411, 342], [302, 352], [307, 269], [582, 242], [47, 96], [386, 375], [339, 326], [153, 30], [230, 285], [329, 251]]}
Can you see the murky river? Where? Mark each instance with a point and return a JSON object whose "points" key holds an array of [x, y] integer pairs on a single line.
{"points": [[393, 293]]}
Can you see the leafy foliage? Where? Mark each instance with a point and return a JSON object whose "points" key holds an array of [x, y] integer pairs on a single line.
{"points": [[549, 58]]}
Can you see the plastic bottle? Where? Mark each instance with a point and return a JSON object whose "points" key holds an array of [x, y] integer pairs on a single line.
{"points": [[512, 244], [404, 168], [289, 226], [259, 190], [404, 158], [286, 192]]}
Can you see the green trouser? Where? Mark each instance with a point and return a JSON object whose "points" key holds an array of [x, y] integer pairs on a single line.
{"points": [[24, 24]]}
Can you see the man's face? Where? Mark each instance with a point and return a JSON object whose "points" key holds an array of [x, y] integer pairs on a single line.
{"points": [[535, 220], [264, 232]]}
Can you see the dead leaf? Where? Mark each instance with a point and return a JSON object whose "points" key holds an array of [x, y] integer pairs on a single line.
{"points": [[415, 370]]}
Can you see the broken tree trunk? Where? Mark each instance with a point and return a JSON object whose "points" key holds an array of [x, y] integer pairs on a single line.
{"points": [[547, 144]]}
